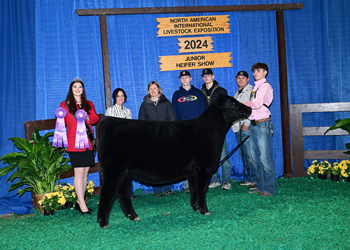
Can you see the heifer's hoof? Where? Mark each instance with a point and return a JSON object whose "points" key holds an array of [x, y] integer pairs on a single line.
{"points": [[103, 224], [207, 213], [133, 217]]}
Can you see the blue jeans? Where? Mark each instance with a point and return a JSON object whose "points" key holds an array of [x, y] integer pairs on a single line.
{"points": [[162, 189], [261, 149], [226, 167], [248, 159]]}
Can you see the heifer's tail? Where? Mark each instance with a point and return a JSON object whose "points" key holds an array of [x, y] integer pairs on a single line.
{"points": [[100, 133]]}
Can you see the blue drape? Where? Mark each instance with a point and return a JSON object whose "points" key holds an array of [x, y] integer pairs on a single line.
{"points": [[45, 44]]}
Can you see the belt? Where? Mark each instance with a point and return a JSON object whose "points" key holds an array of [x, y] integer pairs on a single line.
{"points": [[256, 122]]}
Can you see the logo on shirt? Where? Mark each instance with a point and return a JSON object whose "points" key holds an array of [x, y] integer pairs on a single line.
{"points": [[187, 98]]}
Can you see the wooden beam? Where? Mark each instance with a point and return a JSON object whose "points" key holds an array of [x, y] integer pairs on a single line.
{"points": [[319, 131], [282, 61], [105, 61], [296, 123], [325, 107], [325, 154], [191, 9]]}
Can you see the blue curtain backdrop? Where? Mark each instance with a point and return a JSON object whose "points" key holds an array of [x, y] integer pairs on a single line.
{"points": [[45, 44]]}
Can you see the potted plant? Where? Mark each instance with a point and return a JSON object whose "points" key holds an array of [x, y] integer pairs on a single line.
{"points": [[335, 171], [51, 202], [39, 165], [345, 169], [69, 194], [320, 169]]}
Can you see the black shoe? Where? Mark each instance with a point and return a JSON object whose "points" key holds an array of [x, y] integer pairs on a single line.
{"points": [[253, 187], [77, 207]]}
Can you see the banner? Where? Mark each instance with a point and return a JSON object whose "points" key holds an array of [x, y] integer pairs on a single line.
{"points": [[196, 61], [195, 44], [195, 25]]}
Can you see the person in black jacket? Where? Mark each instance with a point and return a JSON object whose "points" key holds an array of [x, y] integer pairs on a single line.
{"points": [[156, 107], [211, 91]]}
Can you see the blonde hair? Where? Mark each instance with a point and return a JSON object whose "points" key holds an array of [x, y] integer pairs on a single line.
{"points": [[157, 84]]}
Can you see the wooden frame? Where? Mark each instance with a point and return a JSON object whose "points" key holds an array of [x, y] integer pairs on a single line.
{"points": [[29, 128], [298, 132], [202, 9]]}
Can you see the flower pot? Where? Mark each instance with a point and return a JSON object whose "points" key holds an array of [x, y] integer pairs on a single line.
{"points": [[322, 176], [334, 177], [40, 197], [68, 204], [48, 212]]}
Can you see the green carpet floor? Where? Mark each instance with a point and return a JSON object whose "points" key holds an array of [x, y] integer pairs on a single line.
{"points": [[304, 214]]}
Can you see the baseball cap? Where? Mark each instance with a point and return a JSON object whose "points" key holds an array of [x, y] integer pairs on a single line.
{"points": [[184, 73], [207, 72], [242, 73]]}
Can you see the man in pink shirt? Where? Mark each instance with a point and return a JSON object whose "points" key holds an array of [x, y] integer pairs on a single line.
{"points": [[261, 132]]}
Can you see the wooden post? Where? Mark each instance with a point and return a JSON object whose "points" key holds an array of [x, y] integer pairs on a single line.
{"points": [[105, 61], [282, 61]]}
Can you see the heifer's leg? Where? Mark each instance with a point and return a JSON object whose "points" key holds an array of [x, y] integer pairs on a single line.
{"points": [[125, 200], [202, 179], [192, 185], [109, 190]]}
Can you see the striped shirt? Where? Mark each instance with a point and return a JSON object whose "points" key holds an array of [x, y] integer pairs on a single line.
{"points": [[120, 112]]}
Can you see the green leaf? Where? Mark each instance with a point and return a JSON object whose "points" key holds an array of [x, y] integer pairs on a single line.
{"points": [[21, 143], [343, 124], [6, 170], [12, 157]]}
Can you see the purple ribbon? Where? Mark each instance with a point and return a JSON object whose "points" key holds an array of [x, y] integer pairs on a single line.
{"points": [[60, 130], [81, 136]]}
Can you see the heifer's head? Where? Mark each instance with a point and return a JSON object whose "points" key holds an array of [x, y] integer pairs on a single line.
{"points": [[233, 109]]}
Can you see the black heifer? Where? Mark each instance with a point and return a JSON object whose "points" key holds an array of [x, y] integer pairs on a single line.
{"points": [[156, 152]]}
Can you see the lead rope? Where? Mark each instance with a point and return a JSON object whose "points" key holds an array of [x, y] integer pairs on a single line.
{"points": [[233, 151]]}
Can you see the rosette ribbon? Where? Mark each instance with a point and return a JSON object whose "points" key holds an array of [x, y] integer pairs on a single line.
{"points": [[81, 136], [60, 129]]}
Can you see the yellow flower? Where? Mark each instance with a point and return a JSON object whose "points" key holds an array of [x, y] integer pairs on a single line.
{"points": [[48, 195], [62, 200]]}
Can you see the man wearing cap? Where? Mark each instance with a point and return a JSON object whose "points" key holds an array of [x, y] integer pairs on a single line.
{"points": [[261, 132], [188, 103], [211, 91], [241, 130]]}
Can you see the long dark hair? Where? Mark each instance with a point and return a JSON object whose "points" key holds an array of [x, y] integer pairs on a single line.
{"points": [[71, 101], [115, 93]]}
